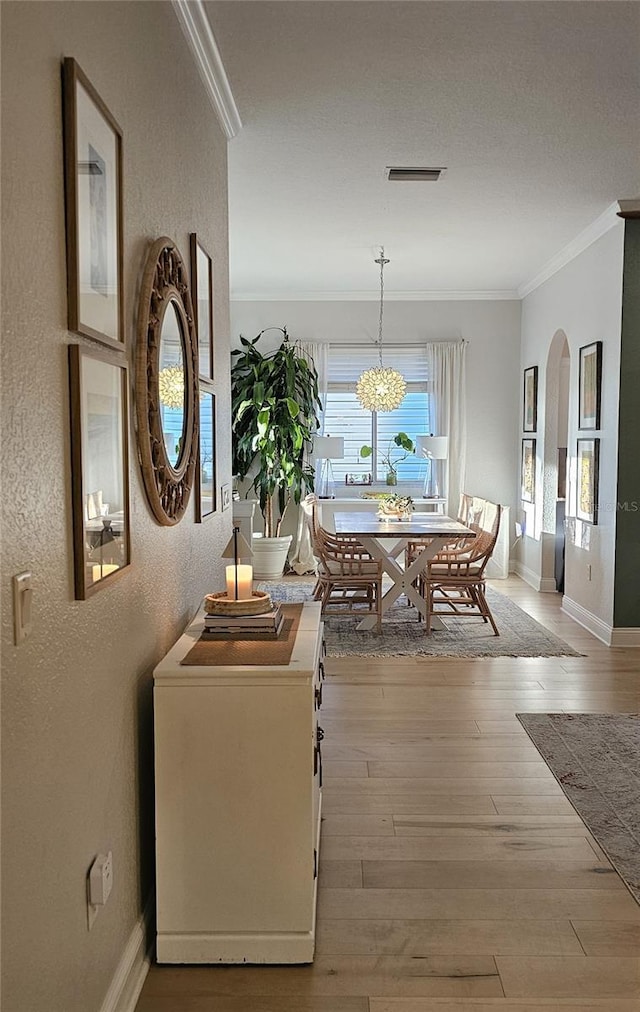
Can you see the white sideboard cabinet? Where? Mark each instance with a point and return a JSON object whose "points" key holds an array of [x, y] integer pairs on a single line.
{"points": [[238, 772]]}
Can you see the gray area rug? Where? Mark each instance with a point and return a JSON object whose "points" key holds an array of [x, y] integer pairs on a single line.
{"points": [[402, 635], [595, 757]]}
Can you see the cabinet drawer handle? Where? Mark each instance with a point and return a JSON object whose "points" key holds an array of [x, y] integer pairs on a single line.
{"points": [[318, 697], [321, 670], [317, 763]]}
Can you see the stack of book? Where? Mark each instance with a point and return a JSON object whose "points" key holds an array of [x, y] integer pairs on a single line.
{"points": [[267, 625]]}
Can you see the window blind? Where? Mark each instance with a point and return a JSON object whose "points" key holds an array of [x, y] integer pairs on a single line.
{"points": [[347, 362], [344, 416]]}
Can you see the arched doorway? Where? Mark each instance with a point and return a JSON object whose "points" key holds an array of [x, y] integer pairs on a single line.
{"points": [[554, 464]]}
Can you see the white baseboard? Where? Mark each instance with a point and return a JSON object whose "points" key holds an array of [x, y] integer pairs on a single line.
{"points": [[544, 585], [132, 969], [528, 575], [587, 620], [628, 637]]}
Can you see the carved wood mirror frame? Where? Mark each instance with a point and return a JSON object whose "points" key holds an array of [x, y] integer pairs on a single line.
{"points": [[164, 283]]}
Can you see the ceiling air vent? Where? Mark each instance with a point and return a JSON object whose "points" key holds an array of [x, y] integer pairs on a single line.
{"points": [[415, 175]]}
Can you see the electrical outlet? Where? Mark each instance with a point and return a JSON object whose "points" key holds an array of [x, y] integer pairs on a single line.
{"points": [[99, 884]]}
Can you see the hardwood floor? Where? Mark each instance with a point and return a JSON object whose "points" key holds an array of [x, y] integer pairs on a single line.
{"points": [[454, 874]]}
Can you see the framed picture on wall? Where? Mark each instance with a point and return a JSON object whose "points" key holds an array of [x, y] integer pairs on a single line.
{"points": [[99, 469], [93, 193], [589, 386], [206, 469], [202, 299], [528, 470], [587, 480], [530, 403]]}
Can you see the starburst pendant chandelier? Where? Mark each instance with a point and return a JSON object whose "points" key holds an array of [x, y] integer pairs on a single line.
{"points": [[171, 386], [381, 388]]}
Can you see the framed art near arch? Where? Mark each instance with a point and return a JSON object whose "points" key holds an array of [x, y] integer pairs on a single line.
{"points": [[590, 386], [530, 403], [528, 470], [587, 473]]}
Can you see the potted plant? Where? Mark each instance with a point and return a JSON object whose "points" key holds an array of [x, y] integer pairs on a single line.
{"points": [[274, 398], [389, 458]]}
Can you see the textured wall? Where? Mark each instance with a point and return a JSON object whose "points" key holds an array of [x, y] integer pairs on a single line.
{"points": [[584, 301], [493, 357], [77, 701], [627, 582]]}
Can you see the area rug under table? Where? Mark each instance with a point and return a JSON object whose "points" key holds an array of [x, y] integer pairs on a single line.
{"points": [[595, 757], [402, 634]]}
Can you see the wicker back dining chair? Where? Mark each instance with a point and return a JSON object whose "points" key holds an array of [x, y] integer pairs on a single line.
{"points": [[453, 583], [466, 514], [349, 579]]}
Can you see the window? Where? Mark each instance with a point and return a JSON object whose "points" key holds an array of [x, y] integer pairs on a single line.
{"points": [[345, 417]]}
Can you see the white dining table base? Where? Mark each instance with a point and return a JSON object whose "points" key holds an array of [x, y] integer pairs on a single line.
{"points": [[403, 579]]}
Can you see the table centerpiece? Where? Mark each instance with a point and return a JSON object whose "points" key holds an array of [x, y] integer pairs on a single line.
{"points": [[395, 507]]}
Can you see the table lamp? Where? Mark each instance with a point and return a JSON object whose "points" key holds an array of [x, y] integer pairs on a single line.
{"points": [[326, 449], [239, 577], [434, 448]]}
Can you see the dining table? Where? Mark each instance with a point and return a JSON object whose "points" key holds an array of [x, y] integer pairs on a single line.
{"points": [[386, 539]]}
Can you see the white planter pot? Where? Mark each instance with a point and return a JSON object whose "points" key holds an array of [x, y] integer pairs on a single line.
{"points": [[269, 556]]}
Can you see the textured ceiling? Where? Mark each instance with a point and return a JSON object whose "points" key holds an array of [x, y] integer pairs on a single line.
{"points": [[533, 107]]}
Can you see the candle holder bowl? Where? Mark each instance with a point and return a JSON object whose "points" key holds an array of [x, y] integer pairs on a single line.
{"points": [[220, 604]]}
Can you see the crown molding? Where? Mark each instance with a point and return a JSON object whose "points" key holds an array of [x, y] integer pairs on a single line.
{"points": [[198, 33], [629, 209], [582, 241], [368, 296]]}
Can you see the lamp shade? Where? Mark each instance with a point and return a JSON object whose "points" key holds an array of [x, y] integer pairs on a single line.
{"points": [[432, 447], [238, 546], [328, 447]]}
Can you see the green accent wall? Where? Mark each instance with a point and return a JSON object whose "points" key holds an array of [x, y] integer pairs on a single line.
{"points": [[626, 600]]}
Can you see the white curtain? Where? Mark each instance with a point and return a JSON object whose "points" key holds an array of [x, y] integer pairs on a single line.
{"points": [[317, 355], [447, 372]]}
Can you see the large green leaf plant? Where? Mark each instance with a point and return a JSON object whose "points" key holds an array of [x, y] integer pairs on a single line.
{"points": [[389, 456], [274, 400]]}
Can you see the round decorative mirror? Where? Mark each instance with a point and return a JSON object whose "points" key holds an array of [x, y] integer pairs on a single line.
{"points": [[166, 383], [171, 386]]}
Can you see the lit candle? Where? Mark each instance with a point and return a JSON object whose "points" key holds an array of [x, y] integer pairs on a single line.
{"points": [[101, 571], [244, 577]]}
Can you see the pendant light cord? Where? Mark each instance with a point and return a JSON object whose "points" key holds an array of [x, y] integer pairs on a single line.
{"points": [[382, 261]]}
